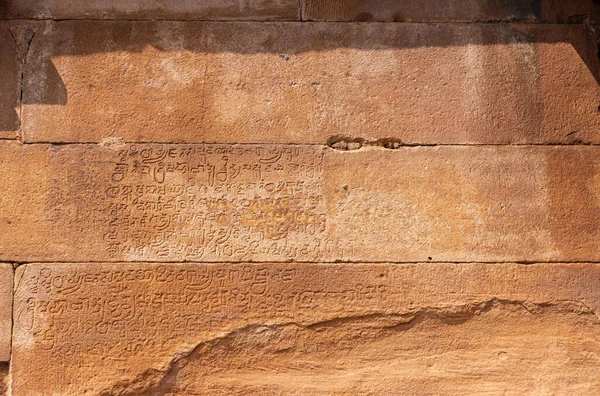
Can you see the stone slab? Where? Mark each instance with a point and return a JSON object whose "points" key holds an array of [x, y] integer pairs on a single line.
{"points": [[311, 83], [223, 203], [261, 10], [275, 329], [10, 84], [6, 300], [552, 11]]}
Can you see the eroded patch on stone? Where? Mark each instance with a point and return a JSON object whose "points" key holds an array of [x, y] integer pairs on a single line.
{"points": [[327, 328], [223, 203]]}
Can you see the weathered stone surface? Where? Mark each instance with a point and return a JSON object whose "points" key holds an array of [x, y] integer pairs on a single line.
{"points": [[306, 328], [153, 202], [4, 378], [554, 11], [308, 83], [10, 84], [6, 297], [264, 10]]}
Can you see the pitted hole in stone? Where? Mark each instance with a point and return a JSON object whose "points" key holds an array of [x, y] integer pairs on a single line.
{"points": [[388, 143], [503, 355], [345, 143]]}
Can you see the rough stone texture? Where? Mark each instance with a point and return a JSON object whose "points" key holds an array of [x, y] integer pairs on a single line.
{"points": [[245, 212], [554, 11], [292, 329], [6, 297], [264, 10], [4, 378], [10, 84], [309, 83], [137, 202]]}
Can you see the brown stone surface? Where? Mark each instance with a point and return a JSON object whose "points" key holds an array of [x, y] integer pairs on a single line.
{"points": [[4, 378], [6, 297], [295, 329], [204, 204], [263, 10], [309, 83], [10, 84], [554, 11], [138, 202]]}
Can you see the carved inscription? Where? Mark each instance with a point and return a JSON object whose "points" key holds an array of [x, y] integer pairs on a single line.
{"points": [[133, 322], [217, 202], [117, 320], [256, 203], [137, 310]]}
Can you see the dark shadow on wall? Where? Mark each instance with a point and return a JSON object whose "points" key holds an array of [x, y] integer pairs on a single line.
{"points": [[545, 11], [72, 38], [4, 368], [9, 81], [51, 39]]}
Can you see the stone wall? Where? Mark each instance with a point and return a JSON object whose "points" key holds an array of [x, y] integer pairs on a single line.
{"points": [[283, 197]]}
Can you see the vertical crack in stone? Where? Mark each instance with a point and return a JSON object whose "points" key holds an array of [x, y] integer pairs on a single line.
{"points": [[23, 34]]}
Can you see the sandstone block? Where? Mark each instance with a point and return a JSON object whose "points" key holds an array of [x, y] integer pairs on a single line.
{"points": [[10, 84], [311, 83], [223, 203], [553, 11], [265, 329], [6, 299], [263, 10]]}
